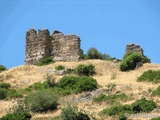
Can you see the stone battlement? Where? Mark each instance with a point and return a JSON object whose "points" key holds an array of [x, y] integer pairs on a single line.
{"points": [[58, 46]]}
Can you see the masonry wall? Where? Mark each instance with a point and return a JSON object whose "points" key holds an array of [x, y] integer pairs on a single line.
{"points": [[58, 46], [65, 47], [134, 48]]}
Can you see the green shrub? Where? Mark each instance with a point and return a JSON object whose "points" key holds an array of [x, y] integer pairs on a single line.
{"points": [[146, 59], [70, 71], [59, 91], [18, 111], [2, 68], [157, 118], [138, 106], [13, 94], [71, 112], [28, 89], [39, 86], [85, 83], [150, 76], [60, 67], [100, 98], [67, 81], [130, 59], [48, 83], [22, 115], [117, 110], [5, 85], [122, 116], [111, 98], [156, 92], [78, 83], [41, 101], [45, 61], [85, 57], [143, 105], [3, 93], [143, 58], [85, 69]]}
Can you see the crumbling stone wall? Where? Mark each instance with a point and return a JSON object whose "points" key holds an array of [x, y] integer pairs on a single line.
{"points": [[65, 47], [134, 48], [58, 46]]}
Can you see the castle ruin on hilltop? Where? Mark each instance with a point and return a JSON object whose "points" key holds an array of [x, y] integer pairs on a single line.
{"points": [[134, 48], [58, 46]]}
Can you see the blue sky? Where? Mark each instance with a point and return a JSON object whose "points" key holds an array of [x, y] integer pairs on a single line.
{"points": [[108, 25]]}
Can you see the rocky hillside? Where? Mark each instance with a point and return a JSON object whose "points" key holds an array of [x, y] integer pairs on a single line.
{"points": [[106, 72]]}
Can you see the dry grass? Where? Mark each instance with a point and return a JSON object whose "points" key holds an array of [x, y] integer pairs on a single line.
{"points": [[23, 76]]}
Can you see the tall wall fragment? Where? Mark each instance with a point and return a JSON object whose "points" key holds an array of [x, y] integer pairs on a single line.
{"points": [[58, 46]]}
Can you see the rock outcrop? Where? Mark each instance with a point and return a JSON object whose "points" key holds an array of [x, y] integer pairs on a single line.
{"points": [[58, 46], [134, 48]]}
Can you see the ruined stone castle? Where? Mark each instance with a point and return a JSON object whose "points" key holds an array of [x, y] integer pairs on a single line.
{"points": [[58, 46], [134, 48]]}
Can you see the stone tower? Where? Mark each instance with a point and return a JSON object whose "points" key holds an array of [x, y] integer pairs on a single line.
{"points": [[134, 48], [58, 46]]}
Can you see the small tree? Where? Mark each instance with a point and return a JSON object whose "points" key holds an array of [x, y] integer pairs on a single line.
{"points": [[41, 101], [2, 68], [93, 53]]}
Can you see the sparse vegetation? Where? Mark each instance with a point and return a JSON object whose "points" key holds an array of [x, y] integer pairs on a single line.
{"points": [[113, 75], [150, 76], [110, 88], [6, 93], [156, 92], [22, 115], [100, 98], [18, 111], [138, 106], [71, 112], [13, 94], [67, 85], [50, 80], [111, 99], [78, 87], [45, 61]]}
